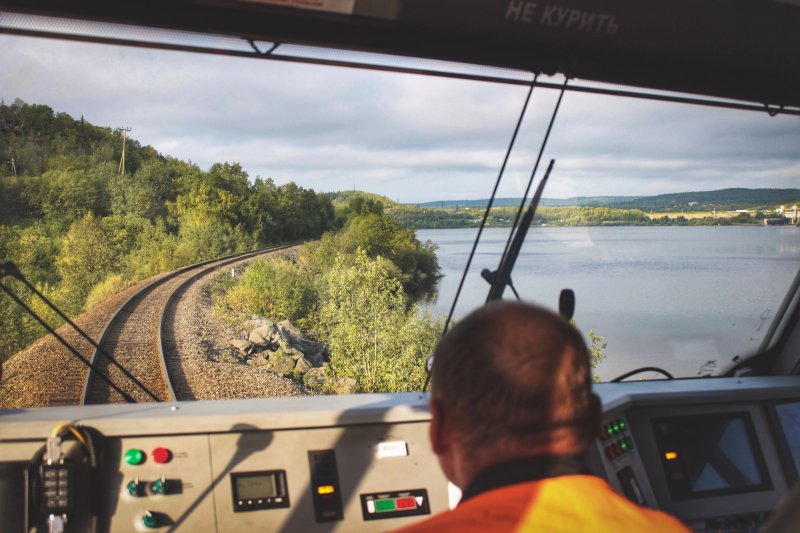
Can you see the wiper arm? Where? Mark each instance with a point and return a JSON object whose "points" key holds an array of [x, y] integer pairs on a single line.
{"points": [[10, 269], [501, 278]]}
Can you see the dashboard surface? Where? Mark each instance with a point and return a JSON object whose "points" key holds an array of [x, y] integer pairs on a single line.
{"points": [[363, 462]]}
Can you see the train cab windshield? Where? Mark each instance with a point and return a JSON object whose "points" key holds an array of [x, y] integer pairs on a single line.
{"points": [[226, 218]]}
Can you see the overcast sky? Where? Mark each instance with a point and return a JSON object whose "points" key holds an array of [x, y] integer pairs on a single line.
{"points": [[412, 138]]}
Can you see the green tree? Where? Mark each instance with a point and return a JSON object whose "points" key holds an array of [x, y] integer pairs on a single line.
{"points": [[416, 264], [373, 337], [86, 257]]}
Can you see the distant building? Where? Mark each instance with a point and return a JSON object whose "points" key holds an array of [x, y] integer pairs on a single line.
{"points": [[790, 213]]}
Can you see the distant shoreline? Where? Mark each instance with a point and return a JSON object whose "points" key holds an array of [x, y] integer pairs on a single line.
{"points": [[503, 217]]}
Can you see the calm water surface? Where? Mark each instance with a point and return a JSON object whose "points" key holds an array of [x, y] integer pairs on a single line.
{"points": [[687, 299]]}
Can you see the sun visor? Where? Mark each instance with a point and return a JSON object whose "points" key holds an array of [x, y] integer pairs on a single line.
{"points": [[740, 49]]}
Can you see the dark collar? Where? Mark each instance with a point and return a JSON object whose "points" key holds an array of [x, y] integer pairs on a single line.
{"points": [[522, 470]]}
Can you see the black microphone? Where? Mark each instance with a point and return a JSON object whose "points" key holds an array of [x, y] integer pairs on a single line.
{"points": [[566, 303]]}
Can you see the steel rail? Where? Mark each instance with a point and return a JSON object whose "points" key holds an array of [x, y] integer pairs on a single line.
{"points": [[173, 298], [141, 293]]}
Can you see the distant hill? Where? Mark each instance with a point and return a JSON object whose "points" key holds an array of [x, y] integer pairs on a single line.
{"points": [[342, 198], [720, 200], [723, 199]]}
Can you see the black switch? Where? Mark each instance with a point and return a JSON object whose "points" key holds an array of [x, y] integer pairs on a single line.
{"points": [[630, 486], [325, 490]]}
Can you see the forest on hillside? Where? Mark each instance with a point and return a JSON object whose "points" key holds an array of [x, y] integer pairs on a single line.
{"points": [[501, 217], [80, 228], [729, 199]]}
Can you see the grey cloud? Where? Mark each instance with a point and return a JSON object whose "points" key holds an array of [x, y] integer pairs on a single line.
{"points": [[413, 137]]}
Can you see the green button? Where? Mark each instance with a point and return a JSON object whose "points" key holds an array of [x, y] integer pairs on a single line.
{"points": [[134, 457], [382, 506]]}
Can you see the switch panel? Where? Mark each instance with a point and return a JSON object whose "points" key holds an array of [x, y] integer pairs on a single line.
{"points": [[325, 488], [395, 504]]}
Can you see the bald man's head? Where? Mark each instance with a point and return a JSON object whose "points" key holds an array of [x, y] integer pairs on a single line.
{"points": [[517, 374]]}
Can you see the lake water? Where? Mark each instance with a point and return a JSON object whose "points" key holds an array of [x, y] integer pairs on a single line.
{"points": [[687, 299]]}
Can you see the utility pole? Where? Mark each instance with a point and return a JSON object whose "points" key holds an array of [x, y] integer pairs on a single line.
{"points": [[124, 131]]}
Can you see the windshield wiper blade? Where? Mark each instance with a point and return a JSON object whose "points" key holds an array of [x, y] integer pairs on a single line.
{"points": [[501, 278]]}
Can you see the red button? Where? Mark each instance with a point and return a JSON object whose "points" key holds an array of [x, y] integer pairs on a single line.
{"points": [[161, 455], [406, 503]]}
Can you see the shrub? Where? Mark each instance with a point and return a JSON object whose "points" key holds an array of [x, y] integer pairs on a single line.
{"points": [[373, 337], [277, 287], [105, 289]]}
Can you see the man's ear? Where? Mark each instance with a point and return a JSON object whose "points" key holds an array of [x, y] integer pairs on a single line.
{"points": [[439, 434]]}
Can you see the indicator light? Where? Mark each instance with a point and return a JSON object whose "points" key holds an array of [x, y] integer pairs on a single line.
{"points": [[326, 489], [671, 456], [161, 455], [383, 506], [610, 430], [624, 445], [134, 457], [616, 427], [622, 425], [406, 503]]}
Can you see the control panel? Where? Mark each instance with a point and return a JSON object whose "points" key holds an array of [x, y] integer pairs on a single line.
{"points": [[718, 454], [335, 472], [720, 460], [157, 480]]}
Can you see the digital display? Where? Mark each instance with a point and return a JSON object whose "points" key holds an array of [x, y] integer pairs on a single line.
{"points": [[254, 487], [788, 415], [710, 455], [255, 491]]}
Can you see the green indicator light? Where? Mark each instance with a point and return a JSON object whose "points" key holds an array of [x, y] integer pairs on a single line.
{"points": [[616, 428], [382, 506], [610, 430], [624, 446], [622, 424], [134, 457]]}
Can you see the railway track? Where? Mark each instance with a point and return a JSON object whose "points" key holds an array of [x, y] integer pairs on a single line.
{"points": [[139, 336]]}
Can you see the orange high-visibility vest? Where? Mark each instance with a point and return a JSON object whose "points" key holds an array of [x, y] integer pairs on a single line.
{"points": [[572, 504]]}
